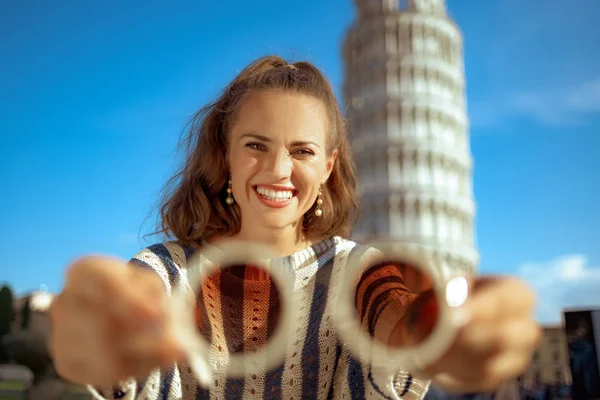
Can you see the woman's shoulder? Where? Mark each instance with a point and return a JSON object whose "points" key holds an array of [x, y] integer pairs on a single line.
{"points": [[164, 254], [167, 259]]}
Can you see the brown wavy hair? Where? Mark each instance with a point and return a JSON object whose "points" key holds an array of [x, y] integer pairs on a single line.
{"points": [[193, 207]]}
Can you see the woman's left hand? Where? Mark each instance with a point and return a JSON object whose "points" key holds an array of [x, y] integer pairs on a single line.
{"points": [[496, 343]]}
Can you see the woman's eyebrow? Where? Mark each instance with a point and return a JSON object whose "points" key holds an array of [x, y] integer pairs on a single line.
{"points": [[267, 139]]}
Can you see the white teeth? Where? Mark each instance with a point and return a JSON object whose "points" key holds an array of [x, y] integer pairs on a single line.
{"points": [[275, 194]]}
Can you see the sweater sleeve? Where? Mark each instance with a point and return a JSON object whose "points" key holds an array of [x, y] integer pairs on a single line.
{"points": [[357, 380], [123, 390], [168, 261]]}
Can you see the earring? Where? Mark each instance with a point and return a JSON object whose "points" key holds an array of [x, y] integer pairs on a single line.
{"points": [[319, 208], [229, 199]]}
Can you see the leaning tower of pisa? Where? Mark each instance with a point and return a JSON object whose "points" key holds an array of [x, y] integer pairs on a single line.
{"points": [[405, 94]]}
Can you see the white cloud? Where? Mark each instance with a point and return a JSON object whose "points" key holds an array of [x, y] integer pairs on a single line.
{"points": [[548, 109], [584, 98], [566, 106], [564, 282]]}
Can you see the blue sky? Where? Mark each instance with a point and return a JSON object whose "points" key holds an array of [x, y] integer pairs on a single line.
{"points": [[93, 98]]}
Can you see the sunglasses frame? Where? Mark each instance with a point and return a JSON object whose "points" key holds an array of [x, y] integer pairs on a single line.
{"points": [[414, 358], [200, 266]]}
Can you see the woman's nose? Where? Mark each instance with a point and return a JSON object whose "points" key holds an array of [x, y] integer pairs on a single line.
{"points": [[280, 164]]}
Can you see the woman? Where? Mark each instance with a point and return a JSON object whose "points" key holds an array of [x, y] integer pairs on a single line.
{"points": [[268, 162]]}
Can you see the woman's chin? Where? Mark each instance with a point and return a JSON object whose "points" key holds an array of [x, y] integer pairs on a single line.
{"points": [[273, 218], [278, 220], [277, 225]]}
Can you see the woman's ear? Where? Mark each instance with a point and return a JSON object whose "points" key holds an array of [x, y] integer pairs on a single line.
{"points": [[329, 165]]}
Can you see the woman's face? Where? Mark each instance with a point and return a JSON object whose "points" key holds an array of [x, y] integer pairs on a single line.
{"points": [[278, 158]]}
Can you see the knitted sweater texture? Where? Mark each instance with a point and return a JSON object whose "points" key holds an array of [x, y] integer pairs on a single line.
{"points": [[316, 365]]}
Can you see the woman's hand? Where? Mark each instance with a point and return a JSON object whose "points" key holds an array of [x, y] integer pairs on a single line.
{"points": [[110, 323], [497, 342]]}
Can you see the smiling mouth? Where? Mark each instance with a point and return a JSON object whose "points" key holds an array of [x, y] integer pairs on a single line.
{"points": [[275, 195]]}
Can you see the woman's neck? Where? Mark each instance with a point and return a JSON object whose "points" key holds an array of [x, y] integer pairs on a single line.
{"points": [[284, 242]]}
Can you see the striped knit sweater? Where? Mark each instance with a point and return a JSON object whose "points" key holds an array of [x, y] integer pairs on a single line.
{"points": [[316, 366]]}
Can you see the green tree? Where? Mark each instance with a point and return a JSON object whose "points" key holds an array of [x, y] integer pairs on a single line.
{"points": [[6, 318], [26, 313], [6, 309]]}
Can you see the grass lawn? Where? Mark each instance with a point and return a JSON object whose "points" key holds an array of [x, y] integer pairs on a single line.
{"points": [[15, 390]]}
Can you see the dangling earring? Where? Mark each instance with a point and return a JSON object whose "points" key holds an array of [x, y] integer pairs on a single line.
{"points": [[319, 208], [229, 199]]}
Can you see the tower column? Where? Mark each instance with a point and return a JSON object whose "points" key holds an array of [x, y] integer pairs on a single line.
{"points": [[405, 89]]}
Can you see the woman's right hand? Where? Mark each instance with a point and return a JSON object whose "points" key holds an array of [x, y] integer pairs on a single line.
{"points": [[110, 323]]}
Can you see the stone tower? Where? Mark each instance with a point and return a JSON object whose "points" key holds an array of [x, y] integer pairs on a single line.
{"points": [[405, 98]]}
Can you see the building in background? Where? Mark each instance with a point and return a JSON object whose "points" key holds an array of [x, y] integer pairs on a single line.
{"points": [[550, 363], [565, 364], [405, 93], [29, 372], [582, 328], [31, 312]]}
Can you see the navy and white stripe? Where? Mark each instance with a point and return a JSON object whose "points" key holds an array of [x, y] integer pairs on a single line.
{"points": [[317, 366]]}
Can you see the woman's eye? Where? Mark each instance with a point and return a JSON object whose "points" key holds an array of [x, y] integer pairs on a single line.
{"points": [[256, 146], [304, 152]]}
